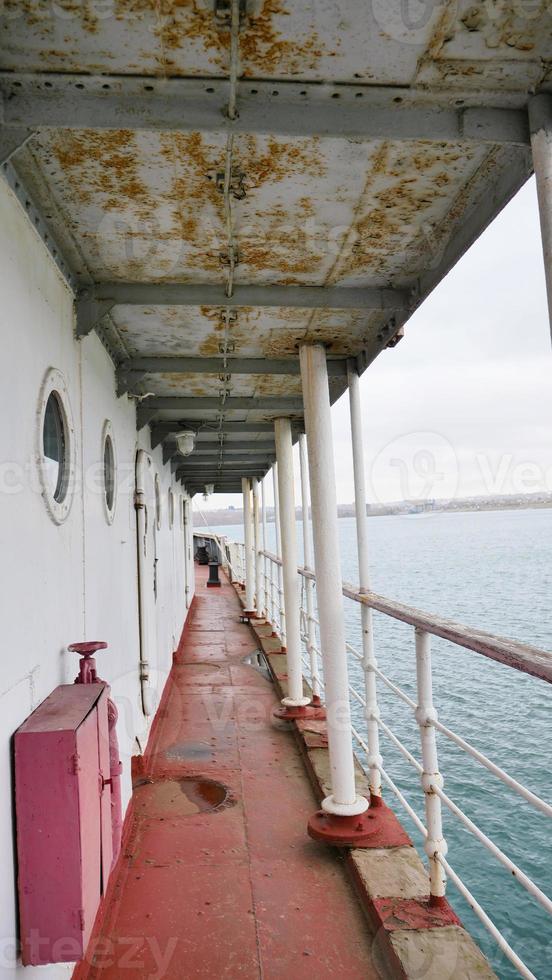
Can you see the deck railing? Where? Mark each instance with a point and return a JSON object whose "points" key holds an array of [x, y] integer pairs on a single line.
{"points": [[516, 656]]}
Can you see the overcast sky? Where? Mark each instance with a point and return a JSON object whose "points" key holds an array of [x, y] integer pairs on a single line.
{"points": [[463, 405]]}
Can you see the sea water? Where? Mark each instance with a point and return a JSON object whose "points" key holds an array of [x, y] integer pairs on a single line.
{"points": [[491, 570]]}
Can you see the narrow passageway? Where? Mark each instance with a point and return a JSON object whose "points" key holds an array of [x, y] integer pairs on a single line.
{"points": [[219, 878]]}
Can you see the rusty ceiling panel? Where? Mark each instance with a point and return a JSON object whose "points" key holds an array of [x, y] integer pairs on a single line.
{"points": [[148, 207], [255, 332], [145, 207], [279, 39], [205, 385], [482, 46]]}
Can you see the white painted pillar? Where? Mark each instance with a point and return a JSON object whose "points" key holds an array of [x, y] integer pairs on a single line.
{"points": [[309, 584], [540, 119], [435, 844], [343, 800], [281, 605], [259, 590], [372, 712], [249, 557], [265, 565], [290, 575]]}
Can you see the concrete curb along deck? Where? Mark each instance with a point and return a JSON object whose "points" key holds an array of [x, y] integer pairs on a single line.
{"points": [[411, 939]]}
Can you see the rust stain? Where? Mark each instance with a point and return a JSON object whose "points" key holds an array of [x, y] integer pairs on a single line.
{"points": [[280, 159], [109, 161], [41, 13], [506, 25], [264, 48]]}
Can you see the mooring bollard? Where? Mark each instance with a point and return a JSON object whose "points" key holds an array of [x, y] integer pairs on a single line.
{"points": [[213, 579]]}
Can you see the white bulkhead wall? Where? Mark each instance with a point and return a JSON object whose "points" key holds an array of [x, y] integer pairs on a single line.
{"points": [[77, 580]]}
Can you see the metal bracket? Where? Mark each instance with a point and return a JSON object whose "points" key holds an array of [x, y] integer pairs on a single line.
{"points": [[12, 139], [169, 453], [223, 12], [144, 415], [128, 378], [90, 311], [38, 221]]}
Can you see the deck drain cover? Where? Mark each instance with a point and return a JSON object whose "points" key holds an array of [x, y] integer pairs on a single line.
{"points": [[180, 797]]}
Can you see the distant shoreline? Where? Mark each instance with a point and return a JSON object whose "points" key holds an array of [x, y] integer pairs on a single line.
{"points": [[408, 507]]}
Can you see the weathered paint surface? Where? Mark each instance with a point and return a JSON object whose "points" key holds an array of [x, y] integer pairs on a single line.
{"points": [[236, 889], [74, 581], [147, 206]]}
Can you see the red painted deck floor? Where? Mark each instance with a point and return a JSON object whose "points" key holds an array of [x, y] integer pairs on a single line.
{"points": [[238, 891]]}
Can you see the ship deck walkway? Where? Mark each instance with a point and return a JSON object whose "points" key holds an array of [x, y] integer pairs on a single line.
{"points": [[212, 887]]}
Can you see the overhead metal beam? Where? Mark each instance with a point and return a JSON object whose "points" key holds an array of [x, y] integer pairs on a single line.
{"points": [[207, 448], [94, 302], [206, 431], [132, 371], [246, 403], [278, 406], [213, 463], [222, 485], [215, 472], [219, 488], [257, 458], [37, 219], [72, 101]]}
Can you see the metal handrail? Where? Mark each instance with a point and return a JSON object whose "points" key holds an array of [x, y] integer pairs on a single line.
{"points": [[522, 657]]}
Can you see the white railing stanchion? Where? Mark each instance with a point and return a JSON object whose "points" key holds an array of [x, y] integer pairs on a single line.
{"points": [[372, 712], [435, 845], [333, 823], [278, 550], [308, 583], [295, 703], [259, 589], [511, 654], [265, 609], [249, 548], [275, 617]]}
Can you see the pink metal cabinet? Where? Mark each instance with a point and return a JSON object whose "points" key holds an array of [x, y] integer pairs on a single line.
{"points": [[63, 821]]}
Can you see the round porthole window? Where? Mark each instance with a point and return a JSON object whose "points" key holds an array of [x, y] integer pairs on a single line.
{"points": [[55, 446], [171, 508], [109, 472], [157, 502]]}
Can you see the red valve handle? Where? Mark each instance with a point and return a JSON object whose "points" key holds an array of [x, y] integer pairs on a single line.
{"points": [[88, 648]]}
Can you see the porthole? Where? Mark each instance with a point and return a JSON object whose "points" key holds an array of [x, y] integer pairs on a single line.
{"points": [[109, 467], [171, 508], [157, 502], [55, 450]]}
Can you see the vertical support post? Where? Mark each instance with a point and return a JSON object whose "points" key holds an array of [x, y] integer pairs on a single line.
{"points": [[426, 716], [249, 558], [369, 662], [274, 598], [265, 610], [281, 605], [540, 121], [309, 584], [333, 823], [259, 590], [284, 455]]}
